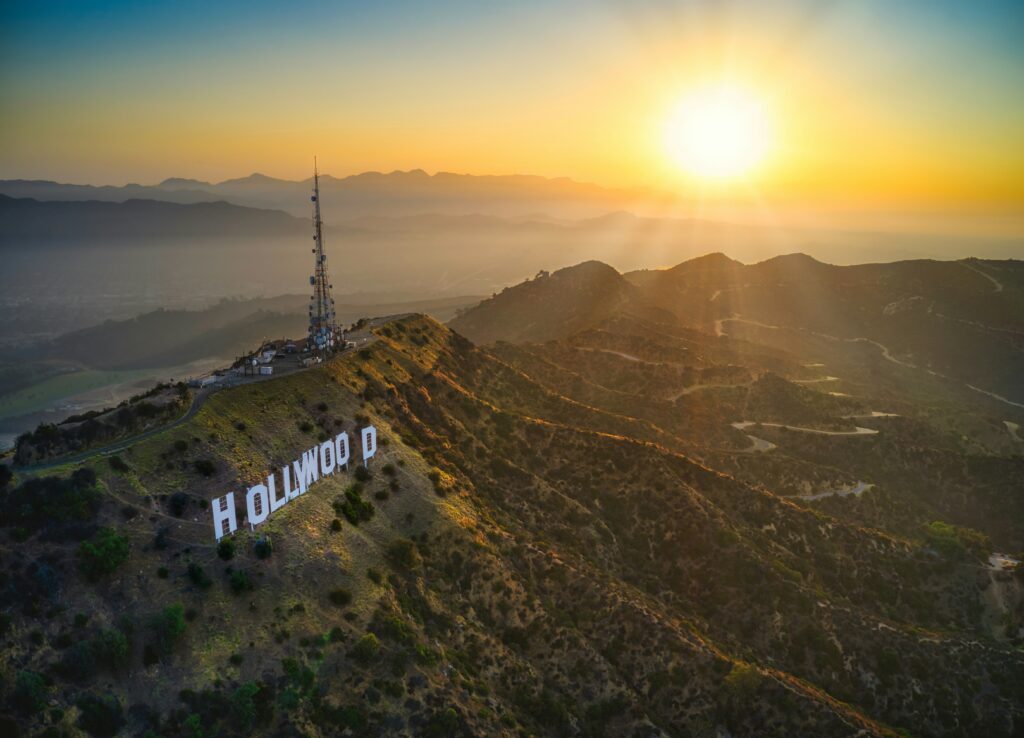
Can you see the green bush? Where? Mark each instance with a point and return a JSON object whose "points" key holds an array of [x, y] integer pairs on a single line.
{"points": [[29, 692], [103, 554], [263, 547], [954, 541], [169, 626], [198, 576], [402, 554], [226, 548], [243, 707], [743, 681], [39, 501], [352, 506], [240, 581], [362, 474], [100, 716], [366, 648], [110, 648]]}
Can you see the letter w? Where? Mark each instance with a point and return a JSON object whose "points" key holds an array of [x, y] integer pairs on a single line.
{"points": [[307, 469]]}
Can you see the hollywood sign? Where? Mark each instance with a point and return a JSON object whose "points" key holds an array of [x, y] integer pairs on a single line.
{"points": [[317, 463]]}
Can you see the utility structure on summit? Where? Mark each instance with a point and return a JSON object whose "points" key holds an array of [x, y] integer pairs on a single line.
{"points": [[323, 331]]}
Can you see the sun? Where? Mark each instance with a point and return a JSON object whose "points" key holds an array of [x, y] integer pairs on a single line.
{"points": [[718, 132]]}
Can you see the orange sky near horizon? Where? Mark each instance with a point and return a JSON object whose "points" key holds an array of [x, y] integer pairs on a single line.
{"points": [[868, 104]]}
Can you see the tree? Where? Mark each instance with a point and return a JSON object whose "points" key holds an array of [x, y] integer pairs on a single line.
{"points": [[168, 626], [243, 706], [100, 715], [743, 681], [402, 554], [366, 648], [29, 692], [103, 554]]}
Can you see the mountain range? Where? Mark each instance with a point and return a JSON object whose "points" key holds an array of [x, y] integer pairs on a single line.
{"points": [[370, 193]]}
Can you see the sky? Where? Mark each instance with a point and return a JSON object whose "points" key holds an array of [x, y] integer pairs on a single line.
{"points": [[912, 102]]}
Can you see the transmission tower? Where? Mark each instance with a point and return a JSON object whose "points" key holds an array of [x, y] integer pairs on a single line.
{"points": [[322, 328]]}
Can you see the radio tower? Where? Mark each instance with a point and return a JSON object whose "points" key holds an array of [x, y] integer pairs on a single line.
{"points": [[322, 329]]}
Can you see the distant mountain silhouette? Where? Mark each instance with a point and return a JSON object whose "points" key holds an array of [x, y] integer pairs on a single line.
{"points": [[370, 193], [26, 218]]}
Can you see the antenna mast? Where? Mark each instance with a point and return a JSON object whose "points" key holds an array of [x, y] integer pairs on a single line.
{"points": [[322, 328]]}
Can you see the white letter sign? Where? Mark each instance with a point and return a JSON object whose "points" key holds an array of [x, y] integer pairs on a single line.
{"points": [[314, 464], [224, 515], [369, 442]]}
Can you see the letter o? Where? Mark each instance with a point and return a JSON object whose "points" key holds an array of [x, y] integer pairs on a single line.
{"points": [[341, 449], [327, 449]]}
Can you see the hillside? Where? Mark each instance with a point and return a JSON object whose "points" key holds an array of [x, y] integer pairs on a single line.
{"points": [[963, 320], [514, 561], [552, 305]]}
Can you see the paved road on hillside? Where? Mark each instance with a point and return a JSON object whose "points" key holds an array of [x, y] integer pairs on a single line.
{"points": [[360, 338]]}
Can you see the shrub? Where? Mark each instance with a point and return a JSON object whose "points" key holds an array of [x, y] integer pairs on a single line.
{"points": [[955, 541], [100, 716], [366, 648], [306, 427], [110, 648], [374, 575], [118, 464], [335, 525], [243, 706], [41, 501], [162, 572], [389, 469], [362, 474], [340, 597], [402, 554], [205, 467], [181, 445], [240, 581], [263, 547], [743, 681], [29, 692], [168, 626], [103, 554], [226, 549], [442, 724], [177, 504], [352, 505], [78, 663], [198, 576]]}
